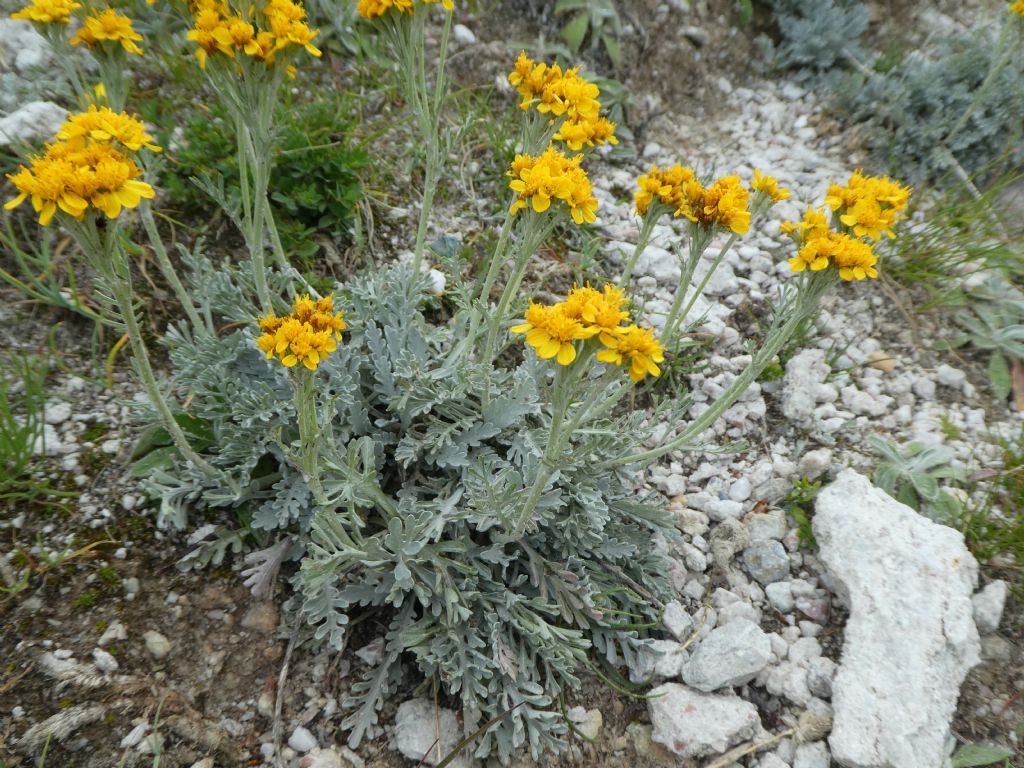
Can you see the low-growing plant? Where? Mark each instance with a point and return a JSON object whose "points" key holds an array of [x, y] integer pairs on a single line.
{"points": [[393, 435], [799, 503], [993, 518], [594, 20], [951, 234], [994, 322], [949, 112], [911, 475], [816, 38]]}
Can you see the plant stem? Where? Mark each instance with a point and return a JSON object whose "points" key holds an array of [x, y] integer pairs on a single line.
{"points": [[123, 295], [308, 460], [646, 229], [805, 303], [676, 316], [168, 270]]}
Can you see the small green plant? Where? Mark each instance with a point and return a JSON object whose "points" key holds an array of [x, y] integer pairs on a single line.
{"points": [[800, 505], [86, 599], [995, 323], [977, 755], [22, 433], [961, 233], [911, 475], [315, 178], [594, 20], [818, 37], [992, 522]]}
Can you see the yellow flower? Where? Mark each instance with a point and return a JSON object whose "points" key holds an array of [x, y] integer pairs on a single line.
{"points": [[853, 258], [48, 11], [551, 332], [108, 26], [73, 180], [869, 205], [552, 176], [768, 185], [634, 345], [1017, 7], [372, 9], [814, 224], [448, 5], [104, 126], [308, 335], [723, 204], [595, 309]]}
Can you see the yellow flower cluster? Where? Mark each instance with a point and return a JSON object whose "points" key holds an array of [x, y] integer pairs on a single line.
{"points": [[769, 186], [374, 9], [563, 94], [104, 126], [48, 11], [585, 313], [1017, 7], [308, 335], [73, 180], [725, 204], [869, 205], [552, 175], [218, 30], [108, 26], [88, 166]]}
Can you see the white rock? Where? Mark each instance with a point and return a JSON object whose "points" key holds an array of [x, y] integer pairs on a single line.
{"points": [[22, 47], [436, 280], [135, 736], [804, 372], [659, 264], [157, 645], [33, 121], [463, 34], [302, 740], [416, 732], [661, 658], [814, 463], [590, 726], [988, 606], [115, 631], [949, 376], [780, 595], [57, 412], [677, 620], [733, 654], [910, 639], [740, 490], [104, 661], [323, 758], [372, 653], [813, 755], [771, 760], [693, 724]]}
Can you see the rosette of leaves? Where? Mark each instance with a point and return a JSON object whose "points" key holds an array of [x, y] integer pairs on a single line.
{"points": [[911, 475], [424, 481]]}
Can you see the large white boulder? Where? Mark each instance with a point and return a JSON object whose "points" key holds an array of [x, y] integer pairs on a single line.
{"points": [[910, 639], [35, 120]]}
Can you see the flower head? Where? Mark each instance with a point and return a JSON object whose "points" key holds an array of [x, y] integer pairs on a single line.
{"points": [[869, 205], [374, 9], [1017, 7], [106, 26], [724, 204], [551, 332], [768, 186], [308, 335], [104, 126], [48, 11], [552, 176], [853, 258], [280, 27], [73, 180], [636, 347]]}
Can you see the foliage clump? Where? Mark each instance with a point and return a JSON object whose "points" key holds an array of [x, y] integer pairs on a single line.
{"points": [[816, 38], [916, 108]]}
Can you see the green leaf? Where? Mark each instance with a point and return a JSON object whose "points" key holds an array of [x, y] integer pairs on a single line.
{"points": [[746, 12], [576, 30], [159, 458], [611, 44], [970, 755], [999, 375]]}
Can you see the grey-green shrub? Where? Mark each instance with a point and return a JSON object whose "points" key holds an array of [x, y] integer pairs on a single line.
{"points": [[914, 107], [816, 37], [426, 490]]}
